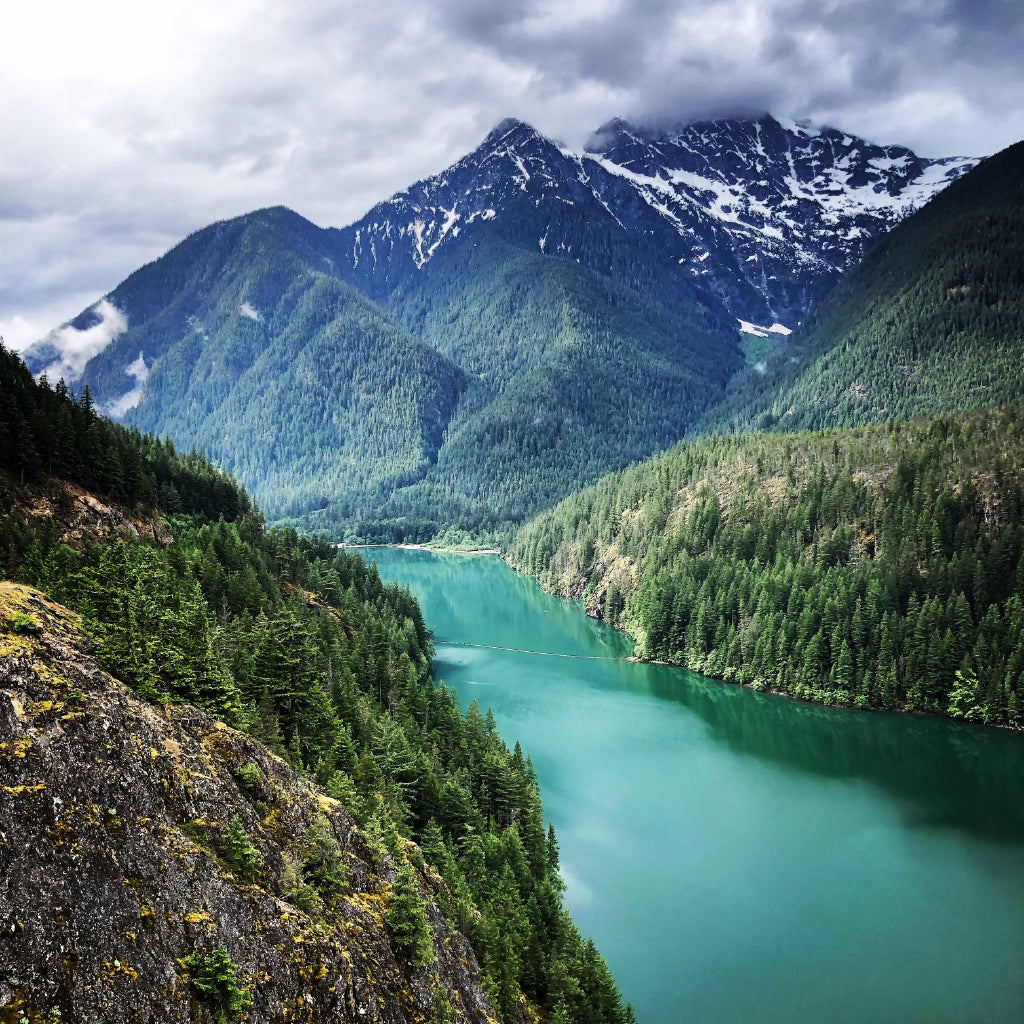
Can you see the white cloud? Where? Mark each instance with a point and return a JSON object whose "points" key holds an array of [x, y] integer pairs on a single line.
{"points": [[74, 348], [130, 399], [126, 126], [18, 333], [247, 310]]}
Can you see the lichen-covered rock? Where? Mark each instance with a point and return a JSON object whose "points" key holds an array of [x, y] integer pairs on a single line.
{"points": [[113, 815]]}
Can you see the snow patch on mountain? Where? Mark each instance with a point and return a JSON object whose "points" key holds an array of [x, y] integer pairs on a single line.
{"points": [[783, 207], [762, 332]]}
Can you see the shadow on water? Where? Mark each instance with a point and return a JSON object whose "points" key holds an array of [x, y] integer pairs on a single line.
{"points": [[946, 773]]}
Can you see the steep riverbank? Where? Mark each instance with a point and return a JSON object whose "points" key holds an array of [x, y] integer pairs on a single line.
{"points": [[121, 878], [881, 567]]}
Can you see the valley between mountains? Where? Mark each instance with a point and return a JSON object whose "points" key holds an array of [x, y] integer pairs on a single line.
{"points": [[750, 390], [492, 338]]}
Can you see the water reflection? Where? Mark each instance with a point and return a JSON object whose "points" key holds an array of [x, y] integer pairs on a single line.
{"points": [[949, 773]]}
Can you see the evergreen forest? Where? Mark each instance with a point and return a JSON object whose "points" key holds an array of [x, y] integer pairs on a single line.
{"points": [[876, 567], [303, 646], [466, 394]]}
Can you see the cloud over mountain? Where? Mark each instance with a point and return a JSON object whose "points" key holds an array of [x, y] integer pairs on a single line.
{"points": [[126, 128]]}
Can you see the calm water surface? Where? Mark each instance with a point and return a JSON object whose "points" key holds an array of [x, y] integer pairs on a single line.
{"points": [[739, 857]]}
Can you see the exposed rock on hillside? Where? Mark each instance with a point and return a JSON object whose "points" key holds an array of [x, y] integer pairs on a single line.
{"points": [[113, 820], [79, 516]]}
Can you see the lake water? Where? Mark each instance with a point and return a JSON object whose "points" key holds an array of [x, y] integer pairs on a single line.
{"points": [[739, 857]]}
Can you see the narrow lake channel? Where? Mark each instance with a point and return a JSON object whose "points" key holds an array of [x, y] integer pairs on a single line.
{"points": [[739, 857]]}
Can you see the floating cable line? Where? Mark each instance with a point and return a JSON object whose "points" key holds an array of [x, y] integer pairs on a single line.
{"points": [[520, 650]]}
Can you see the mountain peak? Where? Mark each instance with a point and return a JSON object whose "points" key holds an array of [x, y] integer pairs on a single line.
{"points": [[763, 213], [511, 129], [614, 133]]}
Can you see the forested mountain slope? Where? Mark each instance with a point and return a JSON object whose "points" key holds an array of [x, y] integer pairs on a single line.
{"points": [[244, 341], [251, 349], [368, 851], [878, 566], [932, 320], [573, 372]]}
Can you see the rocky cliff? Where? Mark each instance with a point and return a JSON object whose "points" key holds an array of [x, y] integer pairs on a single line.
{"points": [[78, 516], [116, 886]]}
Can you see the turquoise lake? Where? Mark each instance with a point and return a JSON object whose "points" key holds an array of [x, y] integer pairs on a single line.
{"points": [[739, 857]]}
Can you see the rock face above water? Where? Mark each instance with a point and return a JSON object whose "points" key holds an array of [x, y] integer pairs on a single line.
{"points": [[113, 813]]}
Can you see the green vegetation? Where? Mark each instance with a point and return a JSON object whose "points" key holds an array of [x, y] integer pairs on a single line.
{"points": [[45, 433], [575, 371], [238, 852], [407, 918], [878, 567], [303, 646], [469, 393], [312, 882], [284, 375], [483, 386], [248, 776], [931, 321], [756, 349], [213, 979], [23, 622], [322, 864]]}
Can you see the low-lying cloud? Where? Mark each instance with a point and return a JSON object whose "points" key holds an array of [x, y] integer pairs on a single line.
{"points": [[139, 371], [71, 348]]}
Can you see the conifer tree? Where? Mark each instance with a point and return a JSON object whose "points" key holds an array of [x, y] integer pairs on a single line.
{"points": [[407, 918]]}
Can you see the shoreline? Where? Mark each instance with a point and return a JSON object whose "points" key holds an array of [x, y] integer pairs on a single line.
{"points": [[342, 546], [785, 694]]}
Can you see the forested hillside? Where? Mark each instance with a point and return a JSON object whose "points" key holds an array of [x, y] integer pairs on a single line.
{"points": [[284, 375], [574, 372], [470, 392], [304, 647], [932, 320], [878, 567]]}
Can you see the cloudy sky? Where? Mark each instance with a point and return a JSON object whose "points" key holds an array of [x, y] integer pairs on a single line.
{"points": [[125, 125]]}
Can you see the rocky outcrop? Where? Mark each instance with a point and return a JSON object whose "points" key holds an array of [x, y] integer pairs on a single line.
{"points": [[113, 818], [81, 517]]}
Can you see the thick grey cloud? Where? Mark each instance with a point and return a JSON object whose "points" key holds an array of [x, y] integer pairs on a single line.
{"points": [[125, 126]]}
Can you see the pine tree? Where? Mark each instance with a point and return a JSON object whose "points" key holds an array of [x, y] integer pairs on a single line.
{"points": [[323, 864], [238, 852], [215, 983], [407, 918]]}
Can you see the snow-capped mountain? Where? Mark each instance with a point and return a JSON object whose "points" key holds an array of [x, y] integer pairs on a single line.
{"points": [[496, 336], [762, 215], [513, 169], [796, 205]]}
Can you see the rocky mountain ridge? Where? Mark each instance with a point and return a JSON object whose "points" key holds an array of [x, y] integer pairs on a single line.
{"points": [[763, 215]]}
